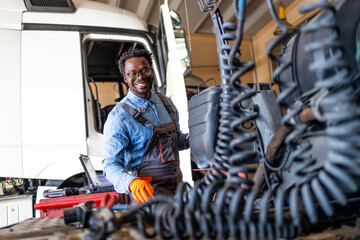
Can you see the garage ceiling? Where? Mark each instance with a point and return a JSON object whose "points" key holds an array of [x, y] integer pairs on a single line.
{"points": [[257, 13]]}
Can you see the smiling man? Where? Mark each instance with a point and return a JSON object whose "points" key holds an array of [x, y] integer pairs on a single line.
{"points": [[142, 136]]}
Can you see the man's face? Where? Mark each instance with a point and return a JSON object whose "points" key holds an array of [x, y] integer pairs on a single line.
{"points": [[141, 84]]}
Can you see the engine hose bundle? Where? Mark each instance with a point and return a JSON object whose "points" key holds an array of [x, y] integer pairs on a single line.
{"points": [[339, 111], [323, 185], [240, 210], [192, 214], [229, 152]]}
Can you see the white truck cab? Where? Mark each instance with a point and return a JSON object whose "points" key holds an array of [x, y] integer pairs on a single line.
{"points": [[59, 80]]}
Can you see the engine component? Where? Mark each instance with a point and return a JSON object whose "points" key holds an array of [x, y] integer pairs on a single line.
{"points": [[51, 193], [204, 111]]}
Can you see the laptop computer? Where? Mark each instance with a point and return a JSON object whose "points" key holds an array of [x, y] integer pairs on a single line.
{"points": [[97, 182]]}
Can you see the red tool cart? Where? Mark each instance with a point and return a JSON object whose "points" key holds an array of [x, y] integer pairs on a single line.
{"points": [[53, 207]]}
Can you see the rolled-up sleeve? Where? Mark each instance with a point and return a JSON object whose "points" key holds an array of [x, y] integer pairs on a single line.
{"points": [[116, 141]]}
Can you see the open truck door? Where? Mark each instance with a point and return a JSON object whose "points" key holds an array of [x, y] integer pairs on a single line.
{"points": [[174, 66]]}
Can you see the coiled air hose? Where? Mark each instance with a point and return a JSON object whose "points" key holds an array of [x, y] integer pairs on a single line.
{"points": [[336, 179], [321, 183], [241, 211], [192, 214]]}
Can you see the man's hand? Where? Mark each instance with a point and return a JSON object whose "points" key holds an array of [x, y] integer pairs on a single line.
{"points": [[141, 190]]}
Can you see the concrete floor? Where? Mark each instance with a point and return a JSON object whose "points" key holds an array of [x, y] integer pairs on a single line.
{"points": [[55, 229]]}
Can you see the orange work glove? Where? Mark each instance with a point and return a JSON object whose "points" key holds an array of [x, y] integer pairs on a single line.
{"points": [[141, 190]]}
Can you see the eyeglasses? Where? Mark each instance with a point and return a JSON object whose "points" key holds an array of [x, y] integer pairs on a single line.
{"points": [[145, 72]]}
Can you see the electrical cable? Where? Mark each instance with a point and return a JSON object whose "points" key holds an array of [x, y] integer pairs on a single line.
{"points": [[224, 204], [234, 211]]}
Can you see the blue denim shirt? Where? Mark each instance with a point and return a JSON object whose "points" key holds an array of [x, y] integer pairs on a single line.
{"points": [[126, 138]]}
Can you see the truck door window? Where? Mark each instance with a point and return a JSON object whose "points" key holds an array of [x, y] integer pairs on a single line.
{"points": [[106, 84]]}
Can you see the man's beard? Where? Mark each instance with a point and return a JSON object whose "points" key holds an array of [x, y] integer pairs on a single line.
{"points": [[142, 92]]}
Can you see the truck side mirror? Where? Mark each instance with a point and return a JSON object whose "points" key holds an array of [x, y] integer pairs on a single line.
{"points": [[169, 23], [180, 39], [175, 19]]}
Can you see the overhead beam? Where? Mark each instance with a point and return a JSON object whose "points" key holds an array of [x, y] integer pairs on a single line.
{"points": [[175, 4], [115, 3], [228, 14], [200, 23], [258, 15], [144, 9]]}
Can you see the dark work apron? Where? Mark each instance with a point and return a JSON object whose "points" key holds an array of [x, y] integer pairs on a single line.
{"points": [[160, 161]]}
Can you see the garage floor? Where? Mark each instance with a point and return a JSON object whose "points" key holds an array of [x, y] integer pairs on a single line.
{"points": [[55, 229]]}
